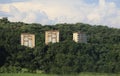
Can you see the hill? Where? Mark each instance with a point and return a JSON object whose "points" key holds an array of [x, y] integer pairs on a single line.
{"points": [[100, 54]]}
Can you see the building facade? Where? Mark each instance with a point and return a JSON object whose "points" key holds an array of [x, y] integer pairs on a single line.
{"points": [[79, 37], [51, 36], [28, 40]]}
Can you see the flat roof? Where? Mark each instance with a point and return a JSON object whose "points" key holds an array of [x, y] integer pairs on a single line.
{"points": [[79, 32], [27, 34], [52, 31]]}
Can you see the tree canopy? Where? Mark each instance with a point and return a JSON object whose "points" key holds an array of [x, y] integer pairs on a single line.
{"points": [[100, 54]]}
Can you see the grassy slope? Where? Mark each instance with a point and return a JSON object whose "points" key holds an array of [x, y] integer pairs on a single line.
{"points": [[25, 74], [81, 74]]}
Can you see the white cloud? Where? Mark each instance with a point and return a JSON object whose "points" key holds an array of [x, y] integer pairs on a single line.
{"points": [[61, 11], [102, 3], [11, 1], [29, 16]]}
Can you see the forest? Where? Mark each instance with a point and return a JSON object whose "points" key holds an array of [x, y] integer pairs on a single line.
{"points": [[100, 54]]}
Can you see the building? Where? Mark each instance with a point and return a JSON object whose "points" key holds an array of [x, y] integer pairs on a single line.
{"points": [[79, 37], [51, 36], [28, 40]]}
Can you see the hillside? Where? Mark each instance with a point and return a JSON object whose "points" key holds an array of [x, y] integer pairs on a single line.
{"points": [[100, 54]]}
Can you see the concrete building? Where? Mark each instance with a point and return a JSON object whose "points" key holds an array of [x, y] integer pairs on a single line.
{"points": [[51, 36], [79, 37], [28, 40]]}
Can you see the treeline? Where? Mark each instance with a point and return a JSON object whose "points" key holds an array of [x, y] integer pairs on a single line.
{"points": [[100, 54]]}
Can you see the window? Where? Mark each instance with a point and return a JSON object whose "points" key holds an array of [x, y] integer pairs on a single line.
{"points": [[49, 39], [54, 35], [25, 38], [30, 43], [26, 43], [53, 40]]}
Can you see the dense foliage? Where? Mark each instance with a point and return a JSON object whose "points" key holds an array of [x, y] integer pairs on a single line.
{"points": [[100, 54]]}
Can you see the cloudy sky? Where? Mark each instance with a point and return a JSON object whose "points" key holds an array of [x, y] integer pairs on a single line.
{"points": [[95, 12]]}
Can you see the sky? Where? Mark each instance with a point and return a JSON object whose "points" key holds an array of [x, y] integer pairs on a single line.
{"points": [[49, 12]]}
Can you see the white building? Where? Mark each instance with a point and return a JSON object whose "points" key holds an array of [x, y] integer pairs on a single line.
{"points": [[51, 36], [28, 40], [79, 37]]}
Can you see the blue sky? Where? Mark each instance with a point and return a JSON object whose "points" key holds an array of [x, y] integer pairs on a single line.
{"points": [[95, 12]]}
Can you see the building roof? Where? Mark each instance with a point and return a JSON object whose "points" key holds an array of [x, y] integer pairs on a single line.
{"points": [[79, 32], [52, 31], [27, 34]]}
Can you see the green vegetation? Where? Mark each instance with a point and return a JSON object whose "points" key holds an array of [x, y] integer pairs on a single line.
{"points": [[25, 74], [81, 74], [101, 53]]}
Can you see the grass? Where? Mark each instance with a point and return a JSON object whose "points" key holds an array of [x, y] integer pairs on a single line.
{"points": [[98, 74], [81, 74], [24, 74]]}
